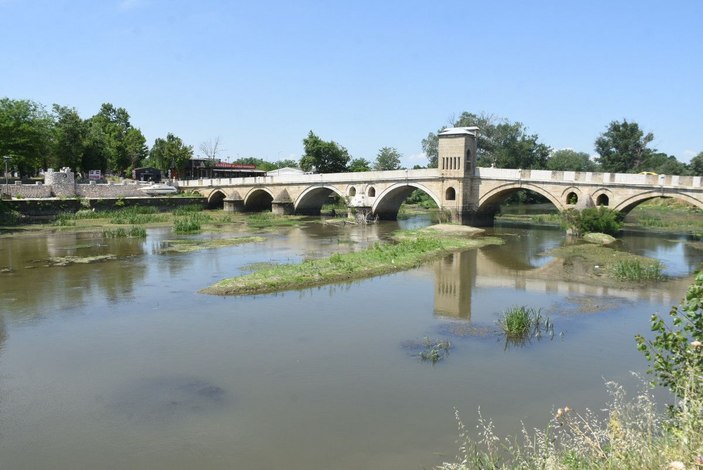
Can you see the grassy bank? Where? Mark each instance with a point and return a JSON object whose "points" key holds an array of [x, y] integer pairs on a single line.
{"points": [[411, 250], [596, 261]]}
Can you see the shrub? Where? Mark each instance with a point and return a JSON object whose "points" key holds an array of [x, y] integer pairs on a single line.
{"points": [[593, 219]]}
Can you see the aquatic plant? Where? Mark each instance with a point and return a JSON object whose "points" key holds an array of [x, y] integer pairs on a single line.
{"points": [[132, 232], [136, 215], [521, 323], [637, 270], [434, 350], [187, 224], [186, 210]]}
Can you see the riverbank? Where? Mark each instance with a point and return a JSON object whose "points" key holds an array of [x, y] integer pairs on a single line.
{"points": [[411, 249]]}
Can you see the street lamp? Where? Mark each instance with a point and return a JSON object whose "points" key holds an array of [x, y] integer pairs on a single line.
{"points": [[7, 158]]}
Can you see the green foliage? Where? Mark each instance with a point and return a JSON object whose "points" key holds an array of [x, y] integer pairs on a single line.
{"points": [[521, 323], [170, 153], [593, 219], [422, 199], [434, 350], [570, 160], [359, 164], [623, 147], [123, 145], [25, 135], [388, 158], [676, 347], [696, 164], [8, 216], [136, 215], [186, 210], [132, 232], [323, 157], [187, 224], [501, 143], [637, 270]]}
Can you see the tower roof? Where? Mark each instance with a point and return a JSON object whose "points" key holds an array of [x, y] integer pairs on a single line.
{"points": [[460, 131]]}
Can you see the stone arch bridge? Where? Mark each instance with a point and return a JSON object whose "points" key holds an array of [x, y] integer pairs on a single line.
{"points": [[472, 195]]}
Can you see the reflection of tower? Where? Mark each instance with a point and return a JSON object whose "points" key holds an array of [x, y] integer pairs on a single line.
{"points": [[454, 278]]}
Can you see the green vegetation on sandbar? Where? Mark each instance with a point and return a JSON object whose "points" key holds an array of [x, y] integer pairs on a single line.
{"points": [[602, 261], [412, 249], [187, 246]]}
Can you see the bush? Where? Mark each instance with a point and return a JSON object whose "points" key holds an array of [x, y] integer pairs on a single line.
{"points": [[593, 219]]}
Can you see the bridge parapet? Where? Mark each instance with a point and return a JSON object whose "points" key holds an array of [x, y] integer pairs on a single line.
{"points": [[588, 177]]}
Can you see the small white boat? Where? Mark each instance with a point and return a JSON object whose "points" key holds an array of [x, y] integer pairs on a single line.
{"points": [[159, 189]]}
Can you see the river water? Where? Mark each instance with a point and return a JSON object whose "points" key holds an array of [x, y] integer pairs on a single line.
{"points": [[123, 364]]}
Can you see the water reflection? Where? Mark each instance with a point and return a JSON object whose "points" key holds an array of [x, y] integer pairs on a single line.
{"points": [[522, 264], [33, 288]]}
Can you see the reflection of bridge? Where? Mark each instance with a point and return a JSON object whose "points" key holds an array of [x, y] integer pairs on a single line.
{"points": [[471, 194], [457, 275]]}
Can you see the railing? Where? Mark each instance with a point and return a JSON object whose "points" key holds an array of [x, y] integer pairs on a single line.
{"points": [[541, 176]]}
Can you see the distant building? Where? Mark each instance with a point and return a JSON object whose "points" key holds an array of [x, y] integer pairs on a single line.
{"points": [[146, 174], [207, 168], [285, 171]]}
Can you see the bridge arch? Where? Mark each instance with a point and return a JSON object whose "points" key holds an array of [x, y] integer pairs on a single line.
{"points": [[630, 203], [216, 199], [312, 199], [258, 200], [388, 202], [489, 203]]}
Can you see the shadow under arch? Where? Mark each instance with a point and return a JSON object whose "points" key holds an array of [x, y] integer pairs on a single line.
{"points": [[216, 199], [489, 203], [628, 204], [389, 201], [311, 200], [258, 200]]}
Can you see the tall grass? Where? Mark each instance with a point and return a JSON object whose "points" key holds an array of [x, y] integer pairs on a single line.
{"points": [[187, 224], [521, 323], [637, 270], [132, 232], [136, 215]]}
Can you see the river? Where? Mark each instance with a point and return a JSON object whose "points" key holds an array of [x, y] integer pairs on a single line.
{"points": [[123, 364]]}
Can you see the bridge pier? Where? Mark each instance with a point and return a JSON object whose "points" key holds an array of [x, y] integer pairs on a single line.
{"points": [[233, 205], [282, 207], [361, 214]]}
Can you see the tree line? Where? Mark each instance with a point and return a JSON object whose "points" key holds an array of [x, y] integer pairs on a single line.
{"points": [[36, 139]]}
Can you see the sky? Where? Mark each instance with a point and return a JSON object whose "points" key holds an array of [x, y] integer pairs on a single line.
{"points": [[367, 74]]}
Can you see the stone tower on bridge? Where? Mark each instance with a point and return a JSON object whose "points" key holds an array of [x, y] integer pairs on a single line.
{"points": [[456, 160]]}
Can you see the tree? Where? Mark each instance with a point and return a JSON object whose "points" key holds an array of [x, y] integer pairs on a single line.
{"points": [[570, 160], [359, 164], [623, 147], [322, 156], [170, 153], [211, 151], [286, 163], [26, 132], [388, 158], [696, 165], [69, 142], [125, 144], [500, 143], [664, 164]]}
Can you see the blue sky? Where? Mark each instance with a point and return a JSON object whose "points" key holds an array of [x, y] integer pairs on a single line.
{"points": [[261, 75]]}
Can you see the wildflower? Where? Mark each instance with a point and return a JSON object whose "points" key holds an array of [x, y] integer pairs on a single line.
{"points": [[676, 465], [696, 344]]}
